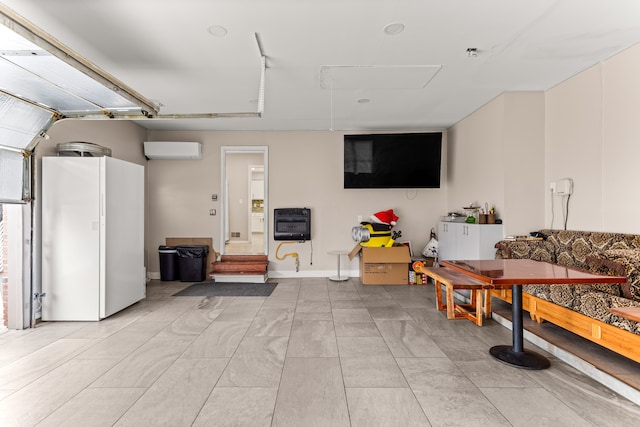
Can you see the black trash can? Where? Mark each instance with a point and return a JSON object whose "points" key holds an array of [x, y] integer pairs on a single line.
{"points": [[168, 263], [192, 262]]}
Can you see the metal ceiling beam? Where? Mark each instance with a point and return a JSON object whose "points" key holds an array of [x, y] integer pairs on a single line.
{"points": [[263, 72], [128, 116]]}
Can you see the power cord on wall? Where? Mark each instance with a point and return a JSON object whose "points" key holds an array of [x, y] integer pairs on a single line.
{"points": [[552, 210], [565, 209], [566, 214]]}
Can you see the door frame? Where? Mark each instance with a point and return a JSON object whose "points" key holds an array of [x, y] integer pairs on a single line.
{"points": [[242, 149]]}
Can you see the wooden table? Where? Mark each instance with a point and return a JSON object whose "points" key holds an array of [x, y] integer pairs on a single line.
{"points": [[517, 272]]}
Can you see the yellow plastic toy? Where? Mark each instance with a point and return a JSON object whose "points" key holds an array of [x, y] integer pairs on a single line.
{"points": [[374, 235]]}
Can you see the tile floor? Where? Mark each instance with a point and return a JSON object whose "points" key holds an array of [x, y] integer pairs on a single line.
{"points": [[314, 353], [255, 246]]}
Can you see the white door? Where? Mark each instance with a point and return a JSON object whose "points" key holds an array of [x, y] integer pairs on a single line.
{"points": [[447, 240], [122, 273], [70, 238], [467, 241]]}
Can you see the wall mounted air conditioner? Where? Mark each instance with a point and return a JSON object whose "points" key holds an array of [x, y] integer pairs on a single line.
{"points": [[172, 150]]}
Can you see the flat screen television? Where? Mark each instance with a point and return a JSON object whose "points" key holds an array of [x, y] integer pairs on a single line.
{"points": [[401, 160]]}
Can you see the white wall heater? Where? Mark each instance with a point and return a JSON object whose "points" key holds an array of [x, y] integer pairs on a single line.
{"points": [[172, 150]]}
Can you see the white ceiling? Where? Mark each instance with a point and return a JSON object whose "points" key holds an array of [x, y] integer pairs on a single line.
{"points": [[326, 58]]}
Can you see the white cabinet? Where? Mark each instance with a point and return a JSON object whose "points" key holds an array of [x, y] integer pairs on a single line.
{"points": [[257, 190], [92, 237], [459, 240], [257, 222], [447, 240]]}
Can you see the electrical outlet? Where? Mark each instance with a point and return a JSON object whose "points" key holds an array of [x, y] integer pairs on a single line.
{"points": [[564, 187], [359, 219], [553, 187]]}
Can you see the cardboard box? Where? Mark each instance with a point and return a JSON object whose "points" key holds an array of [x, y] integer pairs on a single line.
{"points": [[383, 266], [428, 261]]}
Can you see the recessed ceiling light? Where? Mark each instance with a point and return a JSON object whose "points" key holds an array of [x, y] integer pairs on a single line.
{"points": [[364, 101], [393, 29], [217, 31]]}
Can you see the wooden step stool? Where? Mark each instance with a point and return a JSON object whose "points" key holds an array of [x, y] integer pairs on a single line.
{"points": [[454, 280]]}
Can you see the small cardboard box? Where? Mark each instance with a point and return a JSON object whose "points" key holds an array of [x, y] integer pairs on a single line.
{"points": [[383, 266]]}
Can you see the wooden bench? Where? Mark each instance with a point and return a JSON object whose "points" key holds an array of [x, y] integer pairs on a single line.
{"points": [[453, 280]]}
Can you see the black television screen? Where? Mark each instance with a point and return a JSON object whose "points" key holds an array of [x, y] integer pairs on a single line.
{"points": [[403, 160]]}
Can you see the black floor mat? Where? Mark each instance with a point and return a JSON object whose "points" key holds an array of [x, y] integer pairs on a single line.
{"points": [[208, 289]]}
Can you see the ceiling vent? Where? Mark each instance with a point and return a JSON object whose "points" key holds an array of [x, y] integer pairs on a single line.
{"points": [[82, 149], [172, 150], [377, 77]]}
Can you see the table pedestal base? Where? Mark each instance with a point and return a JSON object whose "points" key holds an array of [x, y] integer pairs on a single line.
{"points": [[338, 277], [525, 359]]}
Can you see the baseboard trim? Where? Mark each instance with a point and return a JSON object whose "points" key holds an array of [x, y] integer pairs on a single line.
{"points": [[274, 274], [310, 273]]}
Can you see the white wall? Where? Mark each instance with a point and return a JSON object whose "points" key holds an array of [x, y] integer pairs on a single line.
{"points": [[586, 128], [496, 156], [305, 170], [593, 134], [523, 156], [621, 142], [123, 137], [574, 150]]}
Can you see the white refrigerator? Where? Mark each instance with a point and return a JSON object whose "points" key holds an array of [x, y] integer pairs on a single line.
{"points": [[92, 237]]}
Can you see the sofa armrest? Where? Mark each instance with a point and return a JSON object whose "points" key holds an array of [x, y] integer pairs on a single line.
{"points": [[621, 262]]}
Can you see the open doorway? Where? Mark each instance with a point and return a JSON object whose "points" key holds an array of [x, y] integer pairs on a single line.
{"points": [[244, 215]]}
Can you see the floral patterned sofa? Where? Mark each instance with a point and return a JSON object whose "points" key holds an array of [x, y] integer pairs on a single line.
{"points": [[584, 309]]}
